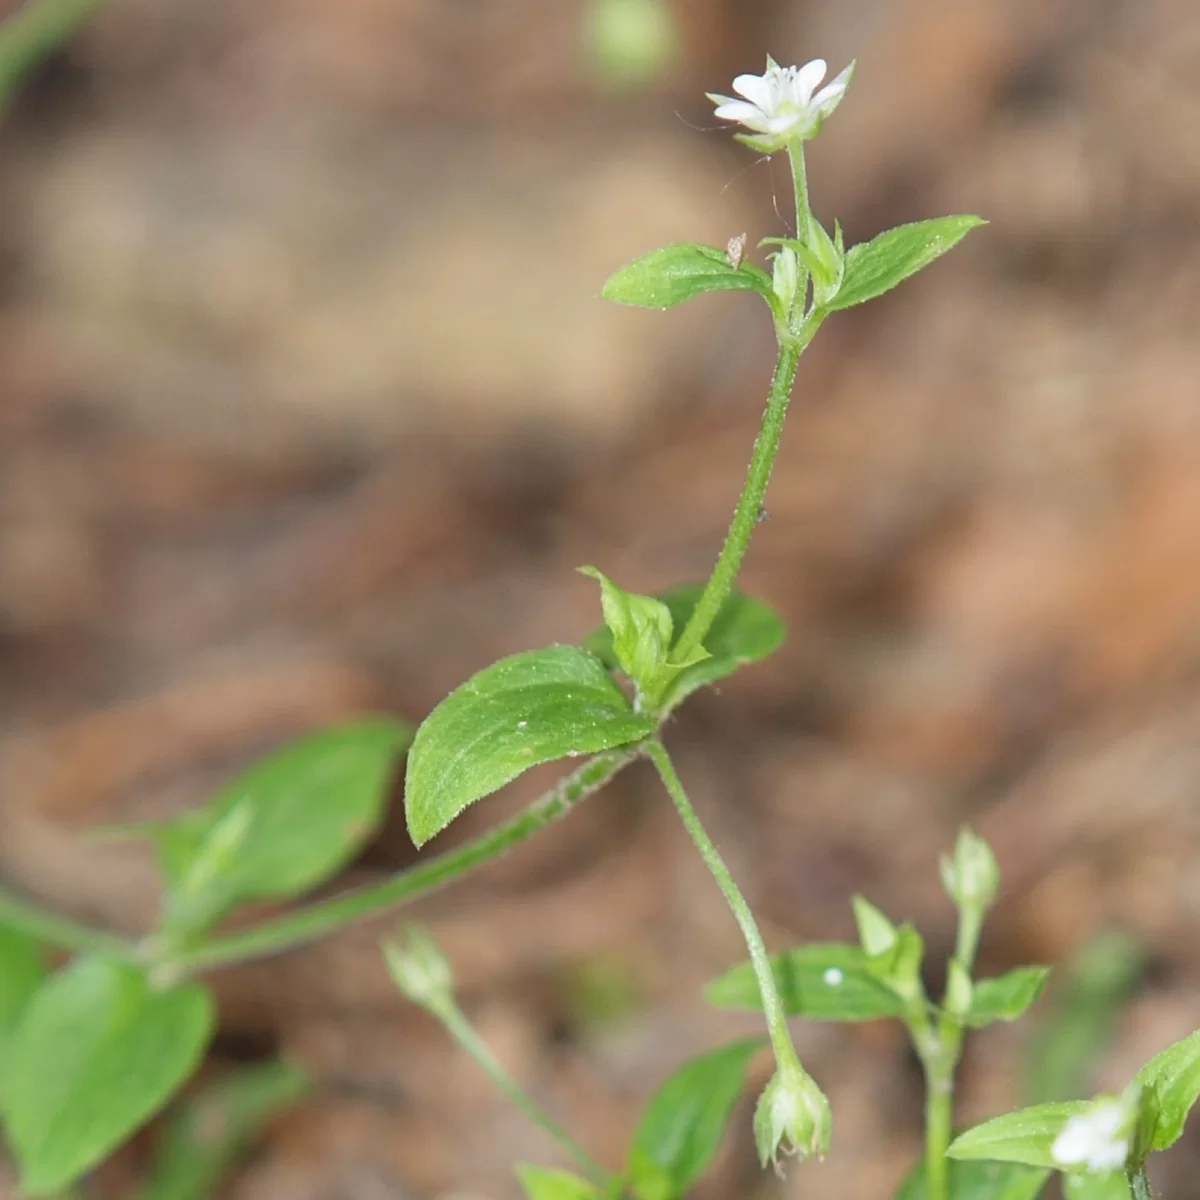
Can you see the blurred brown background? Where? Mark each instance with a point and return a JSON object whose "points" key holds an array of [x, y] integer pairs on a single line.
{"points": [[309, 405]]}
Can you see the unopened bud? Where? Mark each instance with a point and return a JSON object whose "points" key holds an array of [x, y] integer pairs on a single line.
{"points": [[419, 968], [970, 875], [792, 1116]]}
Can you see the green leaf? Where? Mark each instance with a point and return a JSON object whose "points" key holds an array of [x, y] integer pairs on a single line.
{"points": [[209, 1131], [875, 267], [1174, 1076], [1006, 997], [979, 1180], [96, 1053], [282, 826], [641, 628], [1095, 1185], [527, 709], [828, 981], [1024, 1136], [899, 966], [745, 631], [545, 1183], [22, 970], [675, 273], [682, 1124], [1084, 1005]]}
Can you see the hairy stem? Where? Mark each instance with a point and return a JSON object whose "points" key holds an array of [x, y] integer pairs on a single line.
{"points": [[57, 930]]}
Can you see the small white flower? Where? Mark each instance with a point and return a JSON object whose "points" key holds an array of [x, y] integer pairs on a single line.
{"points": [[1097, 1139], [833, 976], [782, 105]]}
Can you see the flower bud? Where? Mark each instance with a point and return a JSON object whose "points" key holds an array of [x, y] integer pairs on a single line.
{"points": [[792, 1116], [785, 278], [970, 875], [419, 969]]}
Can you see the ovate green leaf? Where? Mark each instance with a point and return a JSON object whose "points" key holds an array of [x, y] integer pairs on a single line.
{"points": [[682, 1124], [1095, 1185], [1024, 1136], [96, 1052], [675, 273], [875, 267], [282, 826], [829, 981], [22, 969], [523, 710]]}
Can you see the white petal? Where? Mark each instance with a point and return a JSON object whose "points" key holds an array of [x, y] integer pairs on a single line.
{"points": [[738, 110], [754, 88], [830, 96], [806, 79]]}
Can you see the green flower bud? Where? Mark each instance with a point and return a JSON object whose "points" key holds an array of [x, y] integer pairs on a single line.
{"points": [[970, 875], [792, 1116], [419, 969]]}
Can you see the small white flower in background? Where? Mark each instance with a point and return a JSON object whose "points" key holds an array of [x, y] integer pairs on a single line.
{"points": [[782, 104], [1097, 1139], [833, 976]]}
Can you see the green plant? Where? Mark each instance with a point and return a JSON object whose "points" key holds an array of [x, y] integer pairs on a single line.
{"points": [[91, 1051]]}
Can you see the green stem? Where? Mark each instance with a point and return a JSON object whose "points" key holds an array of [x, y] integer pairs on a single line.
{"points": [[1139, 1185], [792, 342], [939, 1049], [777, 1029], [745, 515], [464, 1034], [316, 920], [57, 930], [34, 32]]}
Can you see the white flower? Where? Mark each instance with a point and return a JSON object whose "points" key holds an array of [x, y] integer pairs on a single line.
{"points": [[1097, 1139], [780, 105]]}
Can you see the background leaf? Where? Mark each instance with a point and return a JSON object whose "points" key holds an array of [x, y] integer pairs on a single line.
{"points": [[745, 631], [1174, 1075], [22, 969], [545, 1183], [675, 273], [1005, 997], [1077, 1023], [829, 981], [1024, 1136], [284, 825], [95, 1053], [875, 267], [527, 709], [205, 1136], [681, 1126], [973, 1180]]}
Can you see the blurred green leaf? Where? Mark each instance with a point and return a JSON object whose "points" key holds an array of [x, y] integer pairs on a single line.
{"points": [[828, 981], [1174, 1076], [527, 709], [1005, 997], [876, 931], [1079, 1016], [545, 1183], [672, 274], [208, 1131], [632, 41], [875, 267], [96, 1052], [681, 1126], [977, 1180], [32, 33], [284, 825], [22, 969], [1095, 1185]]}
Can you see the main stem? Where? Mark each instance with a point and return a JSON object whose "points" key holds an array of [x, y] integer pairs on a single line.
{"points": [[465, 1035], [939, 1048], [1139, 1185], [800, 328], [781, 1038]]}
